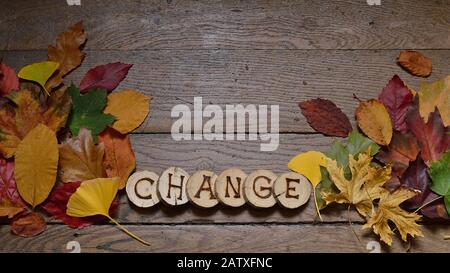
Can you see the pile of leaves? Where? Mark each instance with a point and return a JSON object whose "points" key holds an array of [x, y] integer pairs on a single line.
{"points": [[395, 168], [65, 150]]}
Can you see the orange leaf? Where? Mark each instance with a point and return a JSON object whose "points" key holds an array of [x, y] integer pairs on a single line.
{"points": [[7, 208], [119, 160], [67, 53], [415, 63], [28, 225], [374, 121]]}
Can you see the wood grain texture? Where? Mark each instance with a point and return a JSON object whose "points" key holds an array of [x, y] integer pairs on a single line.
{"points": [[274, 77], [219, 238], [190, 24]]}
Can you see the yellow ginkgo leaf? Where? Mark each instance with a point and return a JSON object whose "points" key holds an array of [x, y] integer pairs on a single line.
{"points": [[36, 164], [129, 107], [39, 72], [94, 197], [308, 164]]}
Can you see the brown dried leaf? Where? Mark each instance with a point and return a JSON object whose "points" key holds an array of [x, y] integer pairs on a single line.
{"points": [[415, 63], [28, 225]]}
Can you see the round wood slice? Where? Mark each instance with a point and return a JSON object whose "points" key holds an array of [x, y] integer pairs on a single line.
{"points": [[172, 186], [142, 189], [292, 190], [229, 187], [258, 189], [200, 189]]}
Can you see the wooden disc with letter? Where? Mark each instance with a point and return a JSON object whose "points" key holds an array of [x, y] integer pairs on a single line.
{"points": [[200, 189], [258, 189], [142, 189], [172, 186], [229, 187], [292, 190]]}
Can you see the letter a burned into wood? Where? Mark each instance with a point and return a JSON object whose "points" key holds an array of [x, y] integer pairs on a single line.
{"points": [[200, 189]]}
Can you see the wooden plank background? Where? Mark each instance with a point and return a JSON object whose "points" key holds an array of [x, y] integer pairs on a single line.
{"points": [[229, 52]]}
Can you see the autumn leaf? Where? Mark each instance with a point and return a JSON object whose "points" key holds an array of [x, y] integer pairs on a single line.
{"points": [[364, 186], [94, 197], [433, 138], [56, 205], [397, 98], [119, 160], [18, 120], [435, 208], [8, 80], [435, 95], [8, 208], [36, 165], [67, 53], [106, 77], [80, 159], [415, 63], [374, 121], [416, 178], [28, 225], [389, 211], [88, 113], [8, 187], [357, 143], [440, 178], [129, 107], [401, 151], [39, 73], [326, 118]]}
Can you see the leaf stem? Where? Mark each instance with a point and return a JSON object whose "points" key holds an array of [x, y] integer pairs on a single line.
{"points": [[317, 206], [127, 231], [427, 203]]}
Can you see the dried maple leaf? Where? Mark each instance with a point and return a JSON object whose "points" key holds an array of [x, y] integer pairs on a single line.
{"points": [[106, 76], [433, 138], [364, 186], [435, 95], [119, 158], [389, 211], [80, 159], [56, 205], [67, 53], [28, 225], [326, 118], [415, 63], [401, 151], [397, 98], [374, 121], [16, 121], [8, 80]]}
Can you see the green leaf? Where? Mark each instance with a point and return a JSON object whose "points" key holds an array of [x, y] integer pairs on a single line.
{"points": [[440, 178], [339, 153], [358, 143], [326, 185], [88, 113]]}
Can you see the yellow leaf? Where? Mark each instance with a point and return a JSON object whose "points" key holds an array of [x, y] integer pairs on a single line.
{"points": [[39, 72], [129, 107], [364, 186], [374, 121], [94, 197], [308, 164], [435, 95], [389, 211], [36, 164]]}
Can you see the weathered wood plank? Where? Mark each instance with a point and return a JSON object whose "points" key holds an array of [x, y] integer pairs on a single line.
{"points": [[181, 24], [223, 77], [219, 238]]}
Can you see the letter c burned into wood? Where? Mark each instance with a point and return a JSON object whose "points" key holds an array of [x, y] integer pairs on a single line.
{"points": [[142, 189]]}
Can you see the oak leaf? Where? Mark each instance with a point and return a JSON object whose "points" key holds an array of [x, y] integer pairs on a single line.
{"points": [[435, 95], [397, 98], [106, 76], [67, 53], [374, 121], [56, 205], [8, 80], [389, 211], [364, 186], [326, 118], [415, 63], [80, 159], [36, 163], [119, 160], [129, 107], [16, 121], [87, 112], [28, 225], [433, 138]]}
